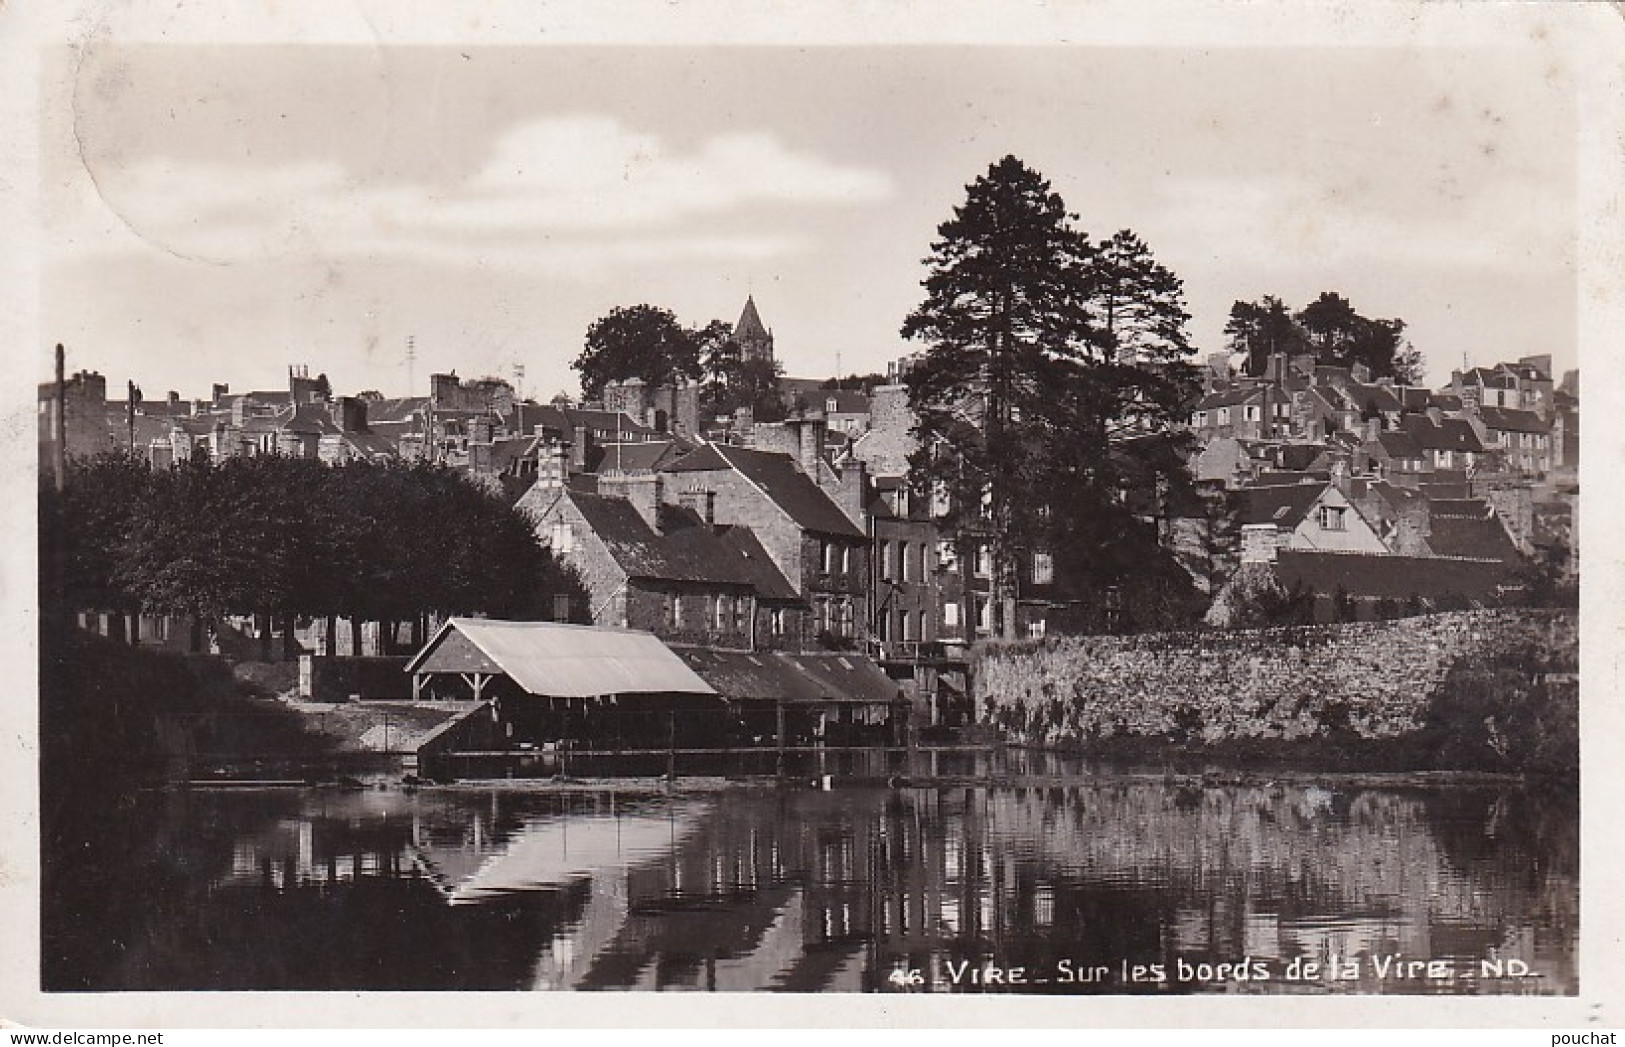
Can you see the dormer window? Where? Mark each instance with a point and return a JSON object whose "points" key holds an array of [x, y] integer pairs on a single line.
{"points": [[1333, 518], [832, 406]]}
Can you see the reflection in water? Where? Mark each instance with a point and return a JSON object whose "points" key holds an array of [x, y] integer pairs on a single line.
{"points": [[1084, 886]]}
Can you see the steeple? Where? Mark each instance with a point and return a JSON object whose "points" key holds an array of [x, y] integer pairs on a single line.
{"points": [[755, 340]]}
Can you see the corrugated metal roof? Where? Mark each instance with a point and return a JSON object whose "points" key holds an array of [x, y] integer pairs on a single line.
{"points": [[574, 661]]}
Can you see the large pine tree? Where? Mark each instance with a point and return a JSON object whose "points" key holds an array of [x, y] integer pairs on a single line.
{"points": [[1046, 354]]}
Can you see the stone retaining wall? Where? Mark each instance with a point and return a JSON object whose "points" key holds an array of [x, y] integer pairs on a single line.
{"points": [[1296, 682]]}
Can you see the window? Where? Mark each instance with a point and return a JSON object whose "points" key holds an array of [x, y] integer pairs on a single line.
{"points": [[919, 567], [1333, 518], [676, 610], [720, 613], [1035, 628], [947, 556], [846, 559], [950, 615], [561, 607], [562, 537], [902, 567], [1043, 568], [939, 499], [1224, 416], [1251, 414], [832, 406], [775, 621], [829, 557], [741, 614], [984, 560], [885, 560], [984, 614]]}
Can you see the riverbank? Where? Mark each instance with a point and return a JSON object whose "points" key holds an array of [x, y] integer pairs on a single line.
{"points": [[1501, 697]]}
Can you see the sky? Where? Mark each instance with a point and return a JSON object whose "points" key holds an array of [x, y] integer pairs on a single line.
{"points": [[217, 213]]}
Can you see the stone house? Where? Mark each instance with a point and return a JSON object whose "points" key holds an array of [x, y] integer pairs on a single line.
{"points": [[810, 536], [679, 581], [1308, 516], [1522, 438]]}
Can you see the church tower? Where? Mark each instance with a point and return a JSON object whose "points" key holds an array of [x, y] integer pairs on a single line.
{"points": [[755, 341]]}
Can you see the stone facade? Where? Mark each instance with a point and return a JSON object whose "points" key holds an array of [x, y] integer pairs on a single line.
{"points": [[888, 443]]}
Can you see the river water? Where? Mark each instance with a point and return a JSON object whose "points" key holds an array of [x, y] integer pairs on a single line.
{"points": [[1069, 882]]}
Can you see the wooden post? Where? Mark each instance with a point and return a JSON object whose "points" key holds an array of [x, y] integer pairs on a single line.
{"points": [[671, 746]]}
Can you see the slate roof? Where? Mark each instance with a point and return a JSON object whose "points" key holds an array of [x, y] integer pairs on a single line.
{"points": [[645, 456], [765, 576], [1511, 419], [1285, 506], [1443, 506], [795, 678], [1397, 444], [399, 409], [1370, 398], [847, 401], [749, 328], [1228, 398], [1478, 537], [1450, 434], [1383, 576], [505, 452], [563, 421], [779, 478], [689, 555], [1297, 457], [1280, 478]]}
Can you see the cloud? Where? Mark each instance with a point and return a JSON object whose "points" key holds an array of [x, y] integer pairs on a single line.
{"points": [[578, 190]]}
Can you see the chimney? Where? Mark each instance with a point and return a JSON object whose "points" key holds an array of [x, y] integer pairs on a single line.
{"points": [[550, 466], [1373, 426], [174, 399], [1361, 373], [1259, 543], [850, 489], [1340, 475], [1435, 415], [743, 418], [239, 411], [643, 490], [811, 435], [704, 504], [349, 414], [578, 449], [221, 391]]}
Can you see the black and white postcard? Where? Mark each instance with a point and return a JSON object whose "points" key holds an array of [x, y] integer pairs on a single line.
{"points": [[964, 507]]}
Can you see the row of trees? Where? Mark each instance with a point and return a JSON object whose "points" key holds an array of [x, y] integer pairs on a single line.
{"points": [[1329, 329], [1056, 370], [280, 538], [648, 342]]}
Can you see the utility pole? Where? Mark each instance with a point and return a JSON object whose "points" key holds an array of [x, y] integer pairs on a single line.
{"points": [[61, 456]]}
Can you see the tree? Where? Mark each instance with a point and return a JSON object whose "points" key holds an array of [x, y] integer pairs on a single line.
{"points": [[1138, 303], [640, 341], [1029, 420], [1263, 328], [1332, 325], [1330, 328]]}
